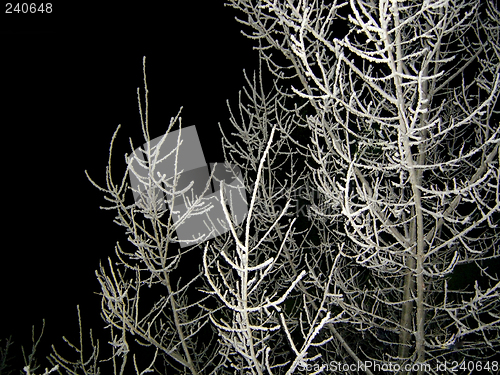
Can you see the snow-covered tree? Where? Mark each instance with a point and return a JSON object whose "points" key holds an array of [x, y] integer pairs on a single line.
{"points": [[404, 137], [370, 168]]}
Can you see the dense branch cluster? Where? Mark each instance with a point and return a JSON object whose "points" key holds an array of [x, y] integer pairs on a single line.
{"points": [[382, 121]]}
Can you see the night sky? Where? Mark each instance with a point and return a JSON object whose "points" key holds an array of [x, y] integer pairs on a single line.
{"points": [[69, 78]]}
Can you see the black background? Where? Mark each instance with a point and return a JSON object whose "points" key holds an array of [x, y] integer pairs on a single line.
{"points": [[68, 79]]}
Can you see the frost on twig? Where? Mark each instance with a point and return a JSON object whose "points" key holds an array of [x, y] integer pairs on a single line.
{"points": [[27, 370]]}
